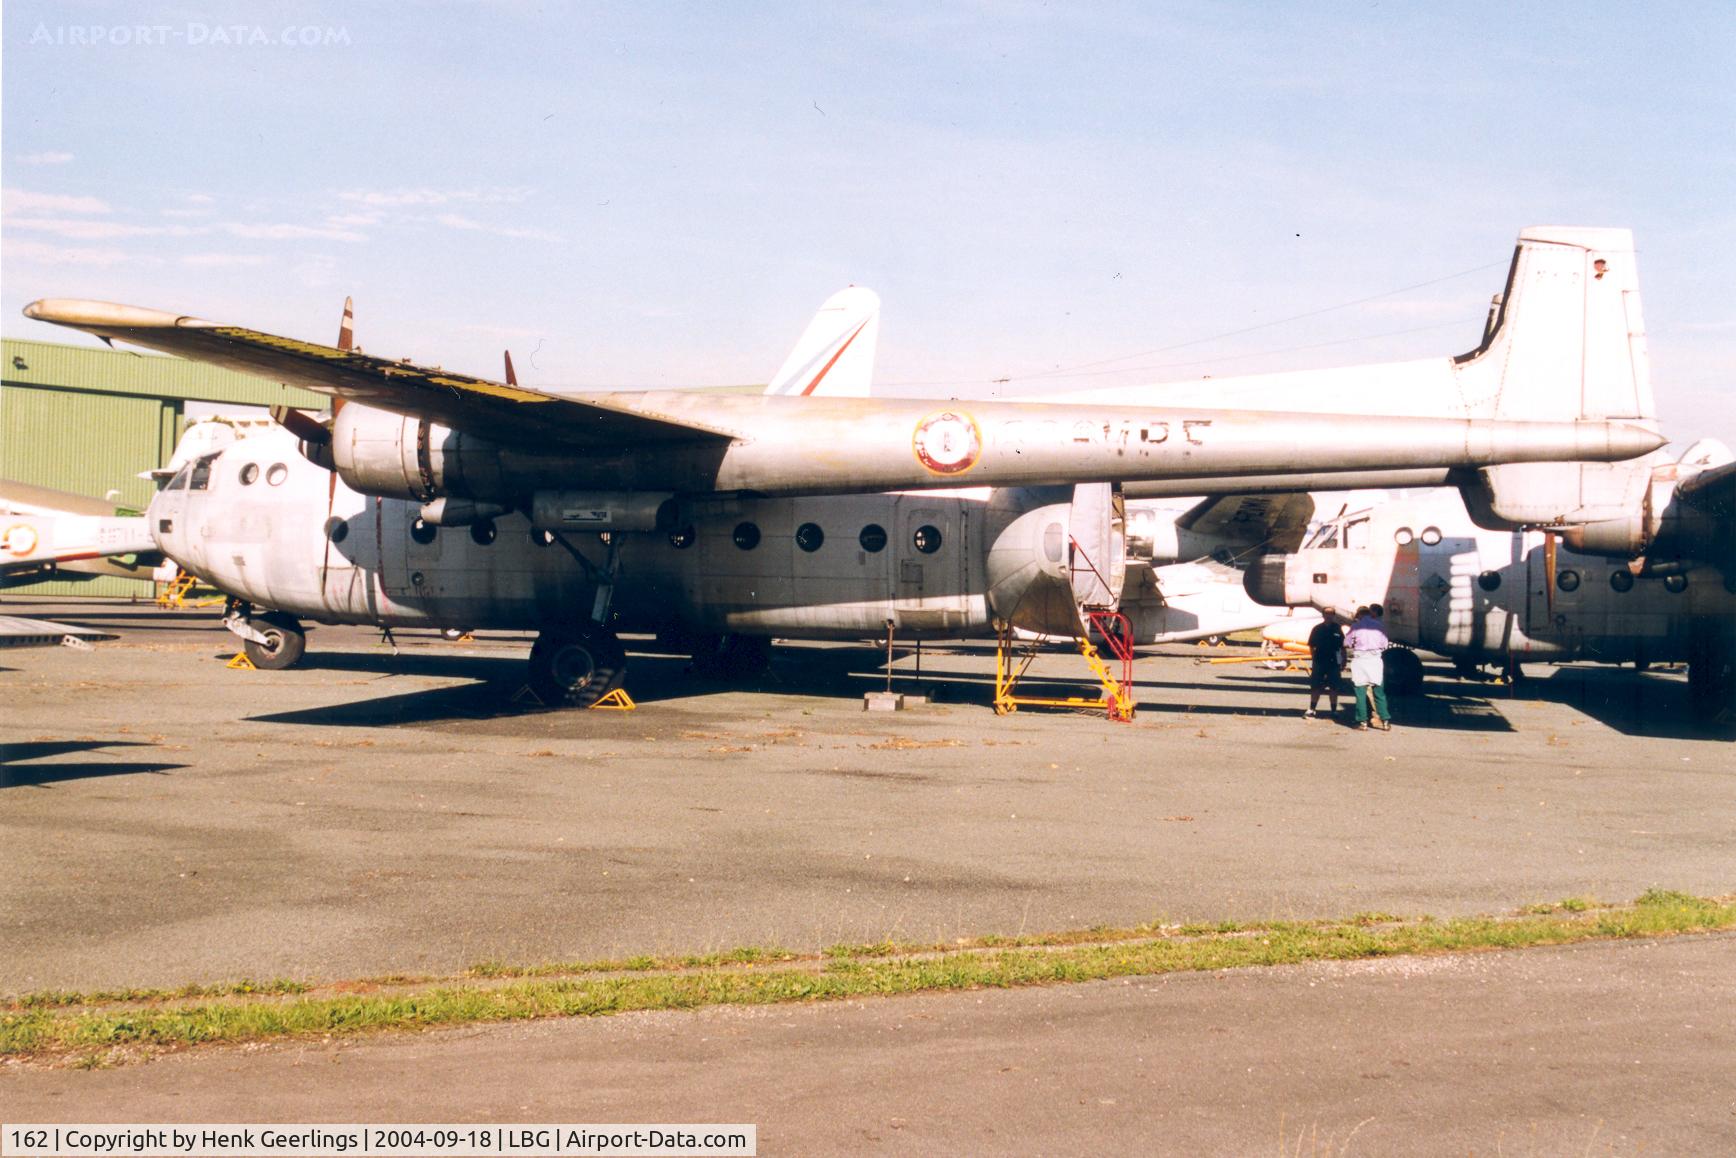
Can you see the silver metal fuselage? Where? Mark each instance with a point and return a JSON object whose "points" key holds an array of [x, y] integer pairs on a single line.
{"points": [[829, 567], [308, 544]]}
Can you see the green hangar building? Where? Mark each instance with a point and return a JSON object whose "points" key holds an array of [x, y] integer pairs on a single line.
{"points": [[88, 420]]}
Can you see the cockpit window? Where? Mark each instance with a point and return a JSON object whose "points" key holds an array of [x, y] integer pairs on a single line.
{"points": [[200, 479], [179, 482]]}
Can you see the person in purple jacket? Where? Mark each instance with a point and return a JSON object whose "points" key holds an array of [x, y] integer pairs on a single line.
{"points": [[1367, 643]]}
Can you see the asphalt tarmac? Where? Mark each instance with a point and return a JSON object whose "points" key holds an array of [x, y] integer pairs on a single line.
{"points": [[166, 820], [1606, 1049]]}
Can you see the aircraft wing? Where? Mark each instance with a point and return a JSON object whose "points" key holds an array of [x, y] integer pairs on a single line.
{"points": [[21, 498], [16, 631], [507, 413], [1278, 521]]}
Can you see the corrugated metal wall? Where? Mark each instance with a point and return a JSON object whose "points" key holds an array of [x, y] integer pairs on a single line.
{"points": [[83, 442], [89, 420]]}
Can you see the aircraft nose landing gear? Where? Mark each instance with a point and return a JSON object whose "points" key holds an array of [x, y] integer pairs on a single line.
{"points": [[576, 666], [273, 640]]}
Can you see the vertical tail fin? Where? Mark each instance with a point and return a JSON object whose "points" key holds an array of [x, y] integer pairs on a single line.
{"points": [[1569, 340], [1567, 343], [835, 354]]}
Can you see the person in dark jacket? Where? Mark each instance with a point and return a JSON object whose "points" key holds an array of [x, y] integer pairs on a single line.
{"points": [[1326, 655]]}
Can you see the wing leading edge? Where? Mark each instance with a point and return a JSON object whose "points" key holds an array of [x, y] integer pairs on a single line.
{"points": [[509, 413]]}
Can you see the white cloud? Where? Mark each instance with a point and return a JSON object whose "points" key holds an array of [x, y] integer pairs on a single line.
{"points": [[201, 199], [398, 198], [345, 219], [96, 230], [24, 201], [222, 259], [459, 221], [43, 158], [40, 254], [286, 232], [79, 230]]}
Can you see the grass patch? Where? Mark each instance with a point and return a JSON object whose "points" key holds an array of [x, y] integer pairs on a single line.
{"points": [[56, 1027]]}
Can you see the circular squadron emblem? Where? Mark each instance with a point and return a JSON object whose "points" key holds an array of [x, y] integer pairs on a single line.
{"points": [[948, 443], [20, 540]]}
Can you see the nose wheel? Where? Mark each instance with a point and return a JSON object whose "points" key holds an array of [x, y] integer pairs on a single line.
{"points": [[281, 641], [576, 666]]}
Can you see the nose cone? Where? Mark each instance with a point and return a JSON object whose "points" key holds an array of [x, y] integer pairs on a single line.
{"points": [[1264, 581]]}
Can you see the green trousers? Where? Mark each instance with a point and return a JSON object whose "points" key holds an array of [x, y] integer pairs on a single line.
{"points": [[1362, 694]]}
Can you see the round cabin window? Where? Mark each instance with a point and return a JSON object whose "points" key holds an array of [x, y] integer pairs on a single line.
{"points": [[423, 531], [872, 538], [277, 474], [809, 536], [747, 536], [926, 539], [249, 474]]}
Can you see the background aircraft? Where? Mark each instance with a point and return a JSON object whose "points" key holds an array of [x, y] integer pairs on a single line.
{"points": [[1655, 587], [46, 532]]}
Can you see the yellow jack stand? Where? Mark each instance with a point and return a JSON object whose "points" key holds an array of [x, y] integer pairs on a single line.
{"points": [[1013, 660], [241, 662], [616, 701], [175, 594]]}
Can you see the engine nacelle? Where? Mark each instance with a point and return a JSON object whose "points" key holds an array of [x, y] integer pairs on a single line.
{"points": [[1038, 564], [1028, 583], [377, 452]]}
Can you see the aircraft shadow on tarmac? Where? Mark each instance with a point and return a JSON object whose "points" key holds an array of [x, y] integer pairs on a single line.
{"points": [[19, 767], [1658, 708]]}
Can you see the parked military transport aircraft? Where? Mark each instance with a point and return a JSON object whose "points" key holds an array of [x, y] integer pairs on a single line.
{"points": [[1655, 587], [440, 499], [45, 532]]}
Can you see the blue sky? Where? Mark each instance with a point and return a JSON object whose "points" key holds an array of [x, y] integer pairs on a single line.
{"points": [[643, 194]]}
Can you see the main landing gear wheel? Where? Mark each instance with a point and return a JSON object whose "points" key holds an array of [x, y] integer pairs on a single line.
{"points": [[285, 642], [1404, 671], [576, 667]]}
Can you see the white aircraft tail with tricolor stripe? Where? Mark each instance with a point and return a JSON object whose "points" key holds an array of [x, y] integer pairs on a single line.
{"points": [[835, 355]]}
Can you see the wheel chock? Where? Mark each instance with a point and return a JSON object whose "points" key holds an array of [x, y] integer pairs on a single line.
{"points": [[616, 701], [242, 662]]}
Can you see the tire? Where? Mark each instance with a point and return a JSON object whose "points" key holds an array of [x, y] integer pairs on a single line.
{"points": [[1404, 671], [285, 641], [731, 657], [576, 667]]}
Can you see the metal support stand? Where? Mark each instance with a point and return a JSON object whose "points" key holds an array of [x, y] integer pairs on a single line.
{"points": [[1012, 660]]}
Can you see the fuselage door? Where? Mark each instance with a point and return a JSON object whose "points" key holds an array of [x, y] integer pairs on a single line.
{"points": [[932, 544], [410, 551]]}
